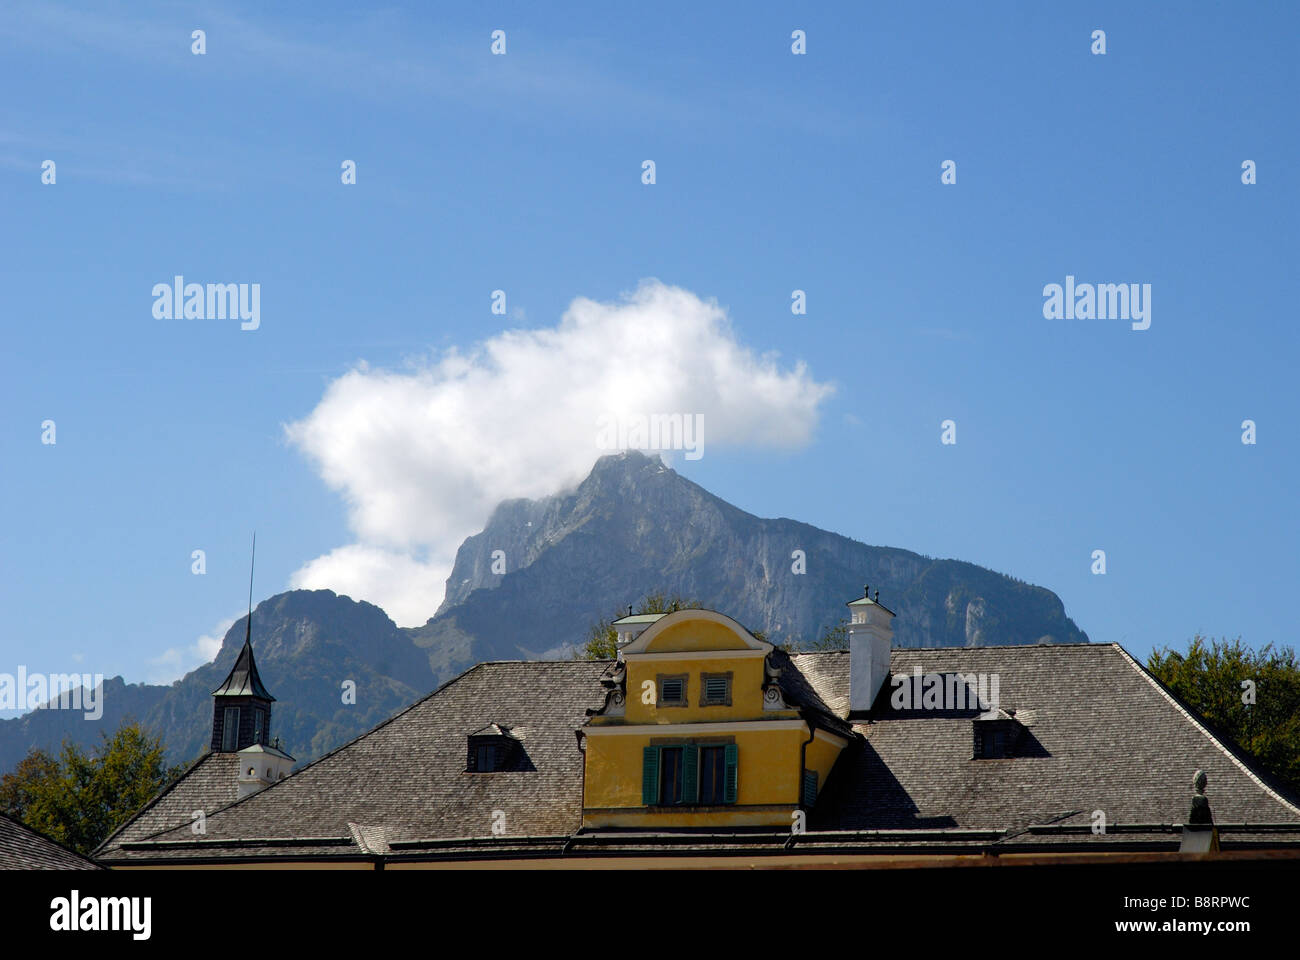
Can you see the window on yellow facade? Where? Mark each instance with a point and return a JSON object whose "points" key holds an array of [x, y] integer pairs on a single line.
{"points": [[672, 690], [713, 775], [715, 689], [689, 775], [809, 788]]}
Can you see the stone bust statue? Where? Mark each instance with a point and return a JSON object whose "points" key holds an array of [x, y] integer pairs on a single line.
{"points": [[1200, 812]]}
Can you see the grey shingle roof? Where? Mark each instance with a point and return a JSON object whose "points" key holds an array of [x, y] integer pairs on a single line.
{"points": [[211, 782], [797, 690], [22, 848], [1107, 735], [1104, 734], [408, 774]]}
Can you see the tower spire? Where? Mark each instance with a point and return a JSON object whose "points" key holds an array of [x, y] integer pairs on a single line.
{"points": [[241, 709], [248, 627]]}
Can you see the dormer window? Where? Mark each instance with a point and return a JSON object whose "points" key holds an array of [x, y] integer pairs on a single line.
{"points": [[493, 749], [996, 739], [488, 757]]}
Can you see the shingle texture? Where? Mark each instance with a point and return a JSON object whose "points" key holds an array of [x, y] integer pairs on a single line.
{"points": [[1103, 736], [22, 848], [210, 783], [408, 774], [1098, 733]]}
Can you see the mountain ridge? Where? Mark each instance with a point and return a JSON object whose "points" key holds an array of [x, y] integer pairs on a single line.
{"points": [[633, 525]]}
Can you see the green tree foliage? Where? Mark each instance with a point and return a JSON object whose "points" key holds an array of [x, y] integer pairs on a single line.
{"points": [[79, 798], [24, 789], [832, 638], [602, 638], [1210, 678]]}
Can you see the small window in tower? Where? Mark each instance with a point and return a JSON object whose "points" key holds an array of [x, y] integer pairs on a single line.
{"points": [[230, 730], [259, 722]]}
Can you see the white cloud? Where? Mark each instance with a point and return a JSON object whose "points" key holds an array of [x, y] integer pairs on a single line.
{"points": [[175, 662], [422, 456]]}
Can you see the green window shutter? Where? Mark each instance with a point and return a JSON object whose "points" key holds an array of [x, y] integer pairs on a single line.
{"points": [[729, 790], [810, 788], [690, 773], [650, 776]]}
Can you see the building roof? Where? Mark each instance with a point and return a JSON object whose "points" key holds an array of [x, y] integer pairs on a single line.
{"points": [[866, 601], [243, 680], [266, 748], [210, 782], [798, 692], [492, 730], [22, 848], [408, 774], [1102, 734]]}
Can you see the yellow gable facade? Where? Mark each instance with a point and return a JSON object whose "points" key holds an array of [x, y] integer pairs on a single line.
{"points": [[695, 732]]}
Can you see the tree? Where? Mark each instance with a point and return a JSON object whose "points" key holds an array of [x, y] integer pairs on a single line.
{"points": [[80, 798], [832, 638], [602, 638], [23, 789], [1251, 696]]}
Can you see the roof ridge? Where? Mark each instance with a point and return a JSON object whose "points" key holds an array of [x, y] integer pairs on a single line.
{"points": [[575, 661], [47, 838], [166, 789], [1209, 734]]}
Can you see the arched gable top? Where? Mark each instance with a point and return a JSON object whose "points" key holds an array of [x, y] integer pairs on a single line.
{"points": [[695, 631]]}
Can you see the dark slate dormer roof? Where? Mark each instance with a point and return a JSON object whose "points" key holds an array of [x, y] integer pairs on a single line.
{"points": [[22, 848], [494, 730], [803, 696], [1105, 734], [243, 680]]}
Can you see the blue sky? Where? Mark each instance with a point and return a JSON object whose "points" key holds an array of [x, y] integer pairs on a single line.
{"points": [[774, 172]]}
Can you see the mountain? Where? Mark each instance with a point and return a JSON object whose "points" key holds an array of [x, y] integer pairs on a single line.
{"points": [[631, 527], [634, 525], [307, 642]]}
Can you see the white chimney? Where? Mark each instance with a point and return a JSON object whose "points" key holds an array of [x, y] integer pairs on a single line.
{"points": [[870, 638]]}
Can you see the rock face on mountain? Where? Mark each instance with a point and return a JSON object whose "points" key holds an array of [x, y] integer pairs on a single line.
{"points": [[634, 526]]}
